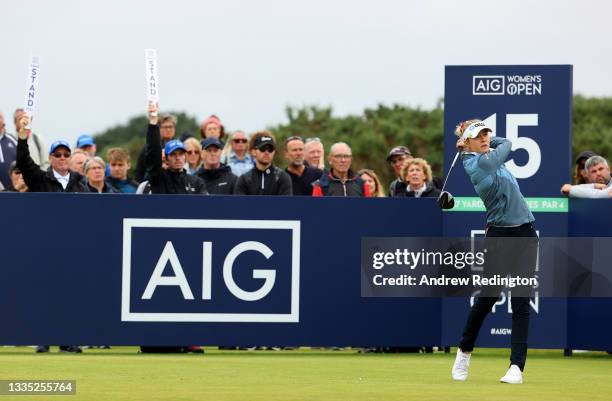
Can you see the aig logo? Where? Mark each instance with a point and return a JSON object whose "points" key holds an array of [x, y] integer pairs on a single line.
{"points": [[180, 270], [512, 85], [488, 85]]}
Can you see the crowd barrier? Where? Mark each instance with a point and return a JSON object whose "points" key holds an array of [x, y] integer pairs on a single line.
{"points": [[156, 270]]}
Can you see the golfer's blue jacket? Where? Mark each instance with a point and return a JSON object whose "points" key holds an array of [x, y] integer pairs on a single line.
{"points": [[496, 186]]}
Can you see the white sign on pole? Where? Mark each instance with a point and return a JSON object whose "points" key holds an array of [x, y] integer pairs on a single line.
{"points": [[151, 73], [32, 86]]}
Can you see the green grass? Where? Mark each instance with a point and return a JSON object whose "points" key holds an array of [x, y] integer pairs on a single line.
{"points": [[122, 374]]}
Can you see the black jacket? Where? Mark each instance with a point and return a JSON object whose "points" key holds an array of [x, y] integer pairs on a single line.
{"points": [[166, 181], [430, 192], [398, 188], [107, 189], [39, 180], [219, 181], [302, 184], [272, 181]]}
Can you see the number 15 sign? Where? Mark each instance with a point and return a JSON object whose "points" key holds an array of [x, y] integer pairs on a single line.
{"points": [[531, 105]]}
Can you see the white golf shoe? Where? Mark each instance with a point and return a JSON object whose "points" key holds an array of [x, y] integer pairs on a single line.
{"points": [[461, 365], [513, 376]]}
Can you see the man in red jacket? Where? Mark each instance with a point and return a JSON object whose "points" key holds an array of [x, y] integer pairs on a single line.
{"points": [[340, 180]]}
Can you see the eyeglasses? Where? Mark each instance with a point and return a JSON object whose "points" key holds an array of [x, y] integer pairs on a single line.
{"points": [[239, 140], [59, 155], [167, 126], [268, 149], [342, 157], [192, 152]]}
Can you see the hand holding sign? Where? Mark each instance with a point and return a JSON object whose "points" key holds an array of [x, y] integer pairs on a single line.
{"points": [[152, 111], [24, 126]]}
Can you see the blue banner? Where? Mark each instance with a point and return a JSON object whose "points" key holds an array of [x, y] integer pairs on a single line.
{"points": [[161, 270]]}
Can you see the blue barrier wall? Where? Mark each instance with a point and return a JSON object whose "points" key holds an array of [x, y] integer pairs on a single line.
{"points": [[64, 273]]}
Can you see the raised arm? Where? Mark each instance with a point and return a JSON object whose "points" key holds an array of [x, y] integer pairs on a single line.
{"points": [[153, 158], [493, 159], [32, 174]]}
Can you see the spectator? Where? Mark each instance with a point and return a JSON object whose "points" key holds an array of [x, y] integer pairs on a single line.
{"points": [[236, 154], [418, 179], [119, 161], [172, 180], [218, 178], [193, 150], [17, 183], [167, 130], [371, 179], [302, 176], [77, 161], [340, 180], [94, 171], [212, 127], [86, 142], [600, 182], [580, 175], [264, 178], [396, 157], [8, 153], [314, 155], [35, 143], [58, 178]]}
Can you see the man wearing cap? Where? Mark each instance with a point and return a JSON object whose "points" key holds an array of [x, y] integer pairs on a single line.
{"points": [[8, 153], [86, 142], [174, 179], [218, 178], [167, 131], [58, 178], [264, 178], [35, 143], [396, 157], [599, 181], [340, 180], [302, 176]]}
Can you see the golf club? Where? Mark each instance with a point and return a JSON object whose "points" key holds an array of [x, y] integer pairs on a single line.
{"points": [[446, 200]]}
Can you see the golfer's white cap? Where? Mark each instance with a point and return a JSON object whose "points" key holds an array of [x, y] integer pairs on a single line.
{"points": [[474, 129]]}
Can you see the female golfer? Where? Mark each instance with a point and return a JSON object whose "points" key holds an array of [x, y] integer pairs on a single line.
{"points": [[507, 216]]}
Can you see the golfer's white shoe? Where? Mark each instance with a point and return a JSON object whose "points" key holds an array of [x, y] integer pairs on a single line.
{"points": [[461, 365], [513, 376]]}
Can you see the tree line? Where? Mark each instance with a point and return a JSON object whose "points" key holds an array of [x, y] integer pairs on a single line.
{"points": [[375, 131]]}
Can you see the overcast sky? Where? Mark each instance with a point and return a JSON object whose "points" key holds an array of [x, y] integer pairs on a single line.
{"points": [[246, 60]]}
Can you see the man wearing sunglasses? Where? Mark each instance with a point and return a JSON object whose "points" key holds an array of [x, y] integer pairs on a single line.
{"points": [[58, 178], [238, 158], [264, 178]]}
